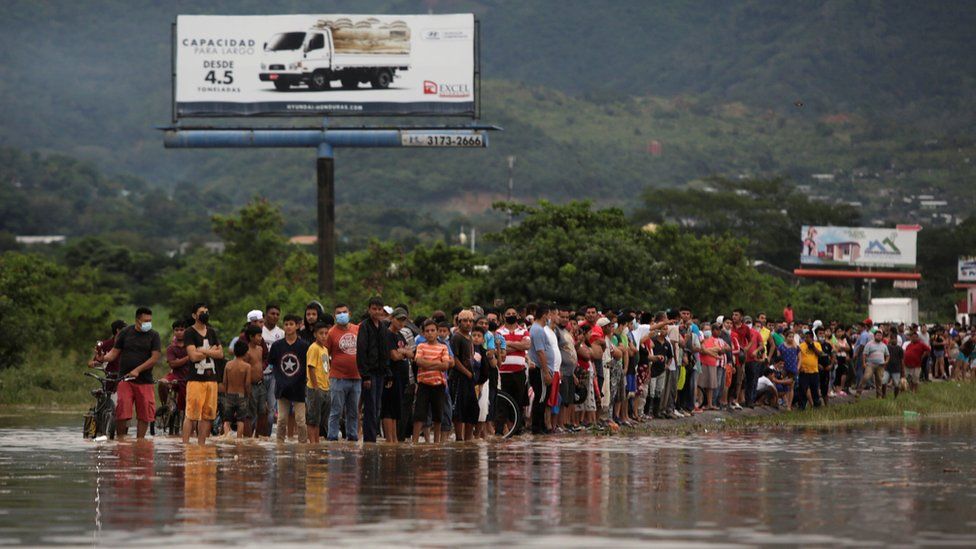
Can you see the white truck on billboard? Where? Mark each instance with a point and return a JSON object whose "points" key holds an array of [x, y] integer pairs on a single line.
{"points": [[365, 51]]}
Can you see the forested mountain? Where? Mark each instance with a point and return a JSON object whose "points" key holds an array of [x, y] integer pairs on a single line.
{"points": [[879, 93]]}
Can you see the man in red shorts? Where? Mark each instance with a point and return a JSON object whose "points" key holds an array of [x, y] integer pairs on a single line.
{"points": [[137, 348]]}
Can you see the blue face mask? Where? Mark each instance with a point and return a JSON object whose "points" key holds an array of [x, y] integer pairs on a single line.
{"points": [[146, 326], [342, 318]]}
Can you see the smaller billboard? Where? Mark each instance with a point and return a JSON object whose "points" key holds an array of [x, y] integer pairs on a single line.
{"points": [[967, 269], [858, 246]]}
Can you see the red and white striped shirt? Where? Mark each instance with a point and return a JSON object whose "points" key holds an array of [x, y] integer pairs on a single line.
{"points": [[514, 360]]}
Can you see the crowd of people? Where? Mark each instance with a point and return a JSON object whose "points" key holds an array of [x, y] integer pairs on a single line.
{"points": [[400, 377]]}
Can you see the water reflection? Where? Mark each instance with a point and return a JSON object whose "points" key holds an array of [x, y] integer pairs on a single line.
{"points": [[854, 485]]}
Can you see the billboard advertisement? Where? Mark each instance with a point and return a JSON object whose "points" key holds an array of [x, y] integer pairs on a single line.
{"points": [[967, 269], [298, 65], [858, 247]]}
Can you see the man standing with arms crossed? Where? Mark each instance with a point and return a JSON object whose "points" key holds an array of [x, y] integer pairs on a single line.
{"points": [[203, 348], [512, 369]]}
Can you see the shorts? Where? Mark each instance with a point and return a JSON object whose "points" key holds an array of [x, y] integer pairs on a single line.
{"points": [[914, 375], [631, 383], [567, 390], [483, 403], [513, 383], [390, 402], [589, 403], [201, 400], [258, 400], [891, 377], [555, 385], [236, 408], [318, 403], [616, 381], [138, 398], [430, 399]]}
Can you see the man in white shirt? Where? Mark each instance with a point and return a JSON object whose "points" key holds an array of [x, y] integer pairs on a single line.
{"points": [[271, 332]]}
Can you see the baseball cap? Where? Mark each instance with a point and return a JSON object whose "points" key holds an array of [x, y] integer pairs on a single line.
{"points": [[603, 321], [400, 313], [868, 321], [255, 315], [747, 319], [388, 309]]}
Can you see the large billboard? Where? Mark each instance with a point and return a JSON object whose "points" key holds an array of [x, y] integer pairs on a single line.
{"points": [[858, 247], [967, 269], [295, 65]]}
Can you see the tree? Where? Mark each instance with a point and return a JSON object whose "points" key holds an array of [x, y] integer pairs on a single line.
{"points": [[767, 213], [574, 255]]}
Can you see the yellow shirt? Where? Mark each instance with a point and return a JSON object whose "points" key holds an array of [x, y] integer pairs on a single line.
{"points": [[318, 361], [808, 358], [765, 334]]}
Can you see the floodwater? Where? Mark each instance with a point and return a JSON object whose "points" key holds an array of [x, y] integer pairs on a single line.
{"points": [[911, 483]]}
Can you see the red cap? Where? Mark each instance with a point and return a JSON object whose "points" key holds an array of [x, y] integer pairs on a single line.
{"points": [[868, 321]]}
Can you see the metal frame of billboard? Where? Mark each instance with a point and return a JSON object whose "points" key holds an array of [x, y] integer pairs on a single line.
{"points": [[476, 115]]}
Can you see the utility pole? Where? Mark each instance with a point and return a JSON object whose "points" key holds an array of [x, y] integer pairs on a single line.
{"points": [[511, 184]]}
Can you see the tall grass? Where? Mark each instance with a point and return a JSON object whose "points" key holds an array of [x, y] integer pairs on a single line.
{"points": [[932, 398], [48, 379]]}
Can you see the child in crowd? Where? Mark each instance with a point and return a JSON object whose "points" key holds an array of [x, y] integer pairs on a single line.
{"points": [[236, 386], [317, 399], [432, 360]]}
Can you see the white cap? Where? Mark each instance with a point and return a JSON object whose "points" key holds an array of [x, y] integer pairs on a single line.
{"points": [[603, 321], [255, 315], [388, 309], [720, 319]]}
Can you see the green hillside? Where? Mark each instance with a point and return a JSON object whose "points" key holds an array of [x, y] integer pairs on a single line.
{"points": [[877, 93]]}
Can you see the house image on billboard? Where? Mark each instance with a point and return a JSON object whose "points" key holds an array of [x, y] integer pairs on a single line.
{"points": [[844, 252]]}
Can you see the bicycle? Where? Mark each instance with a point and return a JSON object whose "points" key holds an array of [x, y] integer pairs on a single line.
{"points": [[506, 407], [100, 419], [170, 416]]}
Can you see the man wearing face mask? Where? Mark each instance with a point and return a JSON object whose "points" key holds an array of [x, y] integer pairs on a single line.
{"points": [[138, 349], [204, 349], [344, 380], [512, 369]]}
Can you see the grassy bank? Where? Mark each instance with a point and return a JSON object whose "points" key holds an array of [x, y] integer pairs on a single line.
{"points": [[931, 399], [51, 380]]}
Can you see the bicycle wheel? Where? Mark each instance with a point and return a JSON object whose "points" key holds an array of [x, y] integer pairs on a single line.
{"points": [[506, 408], [107, 423]]}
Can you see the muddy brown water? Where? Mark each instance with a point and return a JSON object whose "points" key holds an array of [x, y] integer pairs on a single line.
{"points": [[902, 483]]}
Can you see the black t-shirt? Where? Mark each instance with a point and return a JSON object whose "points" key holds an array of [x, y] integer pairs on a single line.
{"points": [[661, 348], [288, 362], [206, 369], [824, 359], [895, 357], [463, 351], [400, 368], [136, 347]]}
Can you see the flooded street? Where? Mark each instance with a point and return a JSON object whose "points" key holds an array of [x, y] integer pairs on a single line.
{"points": [[898, 483]]}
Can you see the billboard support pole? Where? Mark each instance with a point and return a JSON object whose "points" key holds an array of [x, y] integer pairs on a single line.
{"points": [[325, 140], [326, 243]]}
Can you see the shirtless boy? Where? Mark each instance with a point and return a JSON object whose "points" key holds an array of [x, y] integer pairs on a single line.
{"points": [[237, 387], [257, 354]]}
